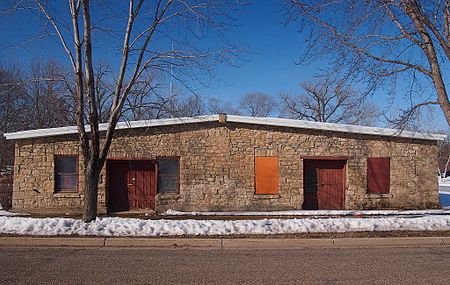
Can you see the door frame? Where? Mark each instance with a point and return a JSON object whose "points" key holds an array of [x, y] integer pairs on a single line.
{"points": [[131, 159], [328, 158]]}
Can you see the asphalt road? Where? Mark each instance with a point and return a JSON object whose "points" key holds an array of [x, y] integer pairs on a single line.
{"points": [[429, 265]]}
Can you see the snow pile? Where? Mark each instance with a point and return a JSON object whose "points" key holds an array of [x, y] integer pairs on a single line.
{"points": [[155, 228], [444, 179], [313, 213], [444, 189], [6, 213]]}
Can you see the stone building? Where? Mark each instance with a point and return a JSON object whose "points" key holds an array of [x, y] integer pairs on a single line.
{"points": [[230, 163]]}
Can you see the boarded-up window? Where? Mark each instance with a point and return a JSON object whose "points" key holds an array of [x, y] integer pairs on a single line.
{"points": [[66, 174], [378, 175], [266, 175], [168, 175]]}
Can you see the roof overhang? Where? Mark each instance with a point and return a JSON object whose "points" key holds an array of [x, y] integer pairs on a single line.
{"points": [[103, 127], [278, 122], [353, 129]]}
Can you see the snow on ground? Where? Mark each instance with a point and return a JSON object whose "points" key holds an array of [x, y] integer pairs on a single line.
{"points": [[444, 183], [313, 213], [444, 189], [155, 228], [6, 213], [444, 179]]}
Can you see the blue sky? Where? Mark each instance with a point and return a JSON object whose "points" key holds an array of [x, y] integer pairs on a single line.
{"points": [[269, 50], [269, 63], [268, 66]]}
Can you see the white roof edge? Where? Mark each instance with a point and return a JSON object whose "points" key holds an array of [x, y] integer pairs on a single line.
{"points": [[280, 122], [103, 127]]}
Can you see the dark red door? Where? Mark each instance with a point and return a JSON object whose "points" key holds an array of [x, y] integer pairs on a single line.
{"points": [[310, 185], [141, 185], [131, 185], [323, 184]]}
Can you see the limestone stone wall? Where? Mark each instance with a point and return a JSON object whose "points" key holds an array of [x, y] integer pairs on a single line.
{"points": [[217, 167]]}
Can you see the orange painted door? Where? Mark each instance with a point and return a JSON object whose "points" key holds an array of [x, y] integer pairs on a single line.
{"points": [[266, 175]]}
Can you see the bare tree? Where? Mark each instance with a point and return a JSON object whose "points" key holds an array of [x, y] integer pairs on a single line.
{"points": [[143, 102], [444, 158], [149, 26], [190, 106], [104, 90], [216, 105], [327, 101], [377, 40], [12, 95], [420, 119], [30, 98], [195, 105], [48, 100], [139, 107], [258, 104]]}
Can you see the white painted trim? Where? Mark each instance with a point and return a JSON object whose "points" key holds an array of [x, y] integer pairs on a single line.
{"points": [[103, 127], [279, 122], [334, 127]]}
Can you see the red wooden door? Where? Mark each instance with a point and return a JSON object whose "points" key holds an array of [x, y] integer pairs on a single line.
{"points": [[331, 185], [141, 185], [131, 185], [117, 193], [324, 184]]}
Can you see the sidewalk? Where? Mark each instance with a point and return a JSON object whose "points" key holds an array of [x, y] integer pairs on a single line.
{"points": [[223, 243]]}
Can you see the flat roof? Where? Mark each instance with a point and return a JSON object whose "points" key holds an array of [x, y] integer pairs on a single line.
{"points": [[266, 121]]}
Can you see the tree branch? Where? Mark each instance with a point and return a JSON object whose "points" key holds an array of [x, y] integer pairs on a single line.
{"points": [[58, 31]]}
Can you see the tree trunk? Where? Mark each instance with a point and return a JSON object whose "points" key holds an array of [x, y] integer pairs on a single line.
{"points": [[91, 179], [443, 99], [413, 11]]}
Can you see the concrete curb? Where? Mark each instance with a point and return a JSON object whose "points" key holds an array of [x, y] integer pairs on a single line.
{"points": [[276, 243], [388, 242], [164, 243], [52, 241], [223, 243]]}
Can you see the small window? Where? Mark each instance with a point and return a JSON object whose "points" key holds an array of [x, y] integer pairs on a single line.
{"points": [[378, 175], [266, 175], [66, 174], [168, 175]]}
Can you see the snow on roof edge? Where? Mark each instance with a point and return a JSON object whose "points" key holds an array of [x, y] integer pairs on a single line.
{"points": [[280, 122], [103, 127]]}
